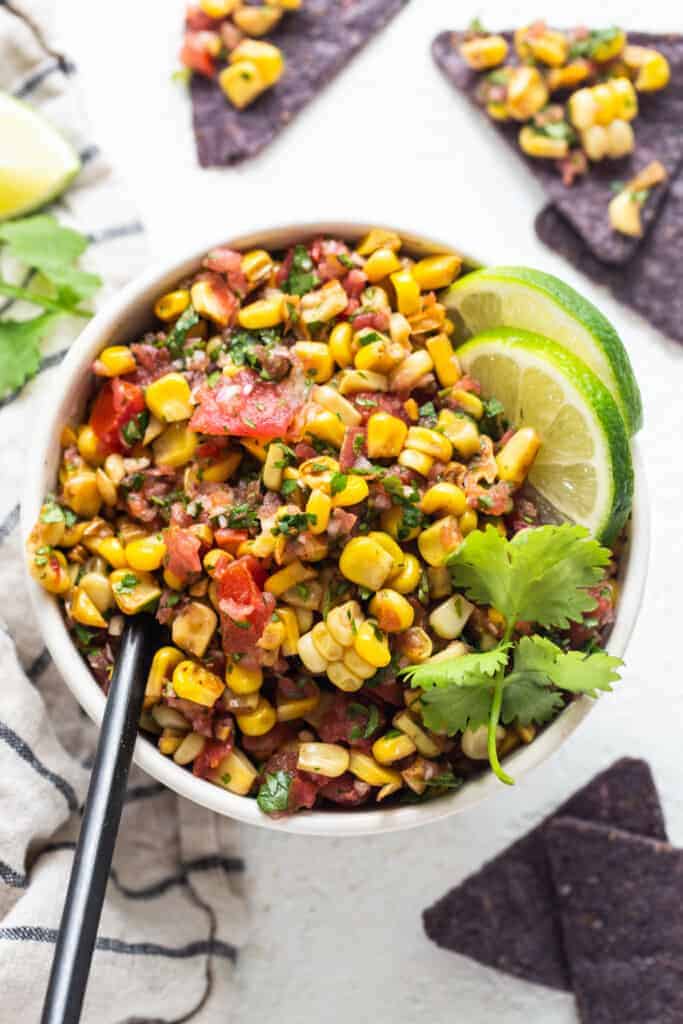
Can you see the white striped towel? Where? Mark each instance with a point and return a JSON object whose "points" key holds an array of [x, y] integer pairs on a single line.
{"points": [[173, 918]]}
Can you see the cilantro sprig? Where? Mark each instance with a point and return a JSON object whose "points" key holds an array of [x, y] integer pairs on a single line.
{"points": [[541, 576]]}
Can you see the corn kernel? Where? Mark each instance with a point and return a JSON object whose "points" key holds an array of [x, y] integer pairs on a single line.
{"points": [[310, 656], [352, 381], [89, 445], [392, 747], [297, 707], [569, 76], [412, 410], [328, 759], [444, 499], [176, 446], [468, 521], [371, 644], [378, 238], [343, 621], [256, 21], [324, 304], [115, 361], [653, 71], [262, 313], [535, 143], [191, 747], [267, 58], [368, 770], [133, 591], [582, 109], [218, 8], [161, 670], [449, 619], [67, 438], [289, 620], [551, 48], [527, 93], [416, 645], [327, 427], [446, 363], [398, 556], [111, 549], [386, 435], [169, 741], [295, 572], [169, 398], [366, 563], [410, 372], [211, 300], [417, 461], [439, 580], [408, 578], [81, 493], [440, 539], [256, 447], [516, 457], [461, 431], [436, 272], [235, 773], [174, 582], [170, 306], [341, 676], [259, 721], [316, 359], [325, 644], [243, 680], [192, 682], [392, 519], [392, 611], [620, 139], [355, 490], [241, 83], [84, 610], [256, 266], [380, 264], [147, 553], [221, 469], [194, 627], [380, 356], [319, 505], [609, 48], [425, 745], [340, 344], [484, 51], [407, 292]]}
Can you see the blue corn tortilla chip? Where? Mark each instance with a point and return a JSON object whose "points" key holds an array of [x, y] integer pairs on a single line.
{"points": [[619, 897], [317, 41], [505, 915], [585, 203], [650, 283]]}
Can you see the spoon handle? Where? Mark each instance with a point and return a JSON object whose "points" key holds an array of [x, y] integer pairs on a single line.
{"points": [[101, 818]]}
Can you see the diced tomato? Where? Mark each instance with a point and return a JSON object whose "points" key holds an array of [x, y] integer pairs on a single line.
{"points": [[263, 747], [369, 402], [244, 608], [182, 553], [229, 262], [469, 384], [212, 755], [389, 692], [195, 56], [196, 20], [230, 539], [244, 406], [116, 404], [354, 283], [352, 448], [346, 791], [377, 321], [342, 723]]}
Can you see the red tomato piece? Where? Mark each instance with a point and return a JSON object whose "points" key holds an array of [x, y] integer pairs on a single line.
{"points": [[244, 406], [195, 56], [230, 539], [244, 609], [116, 404], [183, 552], [212, 755], [229, 262]]}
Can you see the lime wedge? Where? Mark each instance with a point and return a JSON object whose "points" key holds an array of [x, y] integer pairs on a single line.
{"points": [[36, 163], [583, 468], [534, 301]]}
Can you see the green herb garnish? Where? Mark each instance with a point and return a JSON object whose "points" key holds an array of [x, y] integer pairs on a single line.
{"points": [[273, 794], [301, 277]]}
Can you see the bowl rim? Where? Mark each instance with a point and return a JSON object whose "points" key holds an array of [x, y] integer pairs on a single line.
{"points": [[69, 387]]}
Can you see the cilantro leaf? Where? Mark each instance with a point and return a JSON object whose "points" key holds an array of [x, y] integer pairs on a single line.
{"points": [[338, 483], [20, 349], [45, 245], [540, 575], [273, 794], [574, 671], [456, 708], [525, 701], [466, 670], [175, 341], [301, 278]]}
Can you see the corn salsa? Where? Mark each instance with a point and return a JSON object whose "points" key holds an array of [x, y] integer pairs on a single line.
{"points": [[279, 470]]}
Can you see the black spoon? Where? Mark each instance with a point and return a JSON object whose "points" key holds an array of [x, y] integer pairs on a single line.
{"points": [[101, 817]]}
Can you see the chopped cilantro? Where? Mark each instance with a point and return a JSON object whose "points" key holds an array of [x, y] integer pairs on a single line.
{"points": [[369, 338], [428, 413], [245, 346], [358, 442], [288, 487], [345, 260], [242, 517], [134, 430], [51, 512], [273, 794], [175, 342], [293, 523], [85, 636], [338, 483], [126, 584], [301, 277], [213, 378]]}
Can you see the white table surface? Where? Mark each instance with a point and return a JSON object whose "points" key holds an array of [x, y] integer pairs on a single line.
{"points": [[336, 924]]}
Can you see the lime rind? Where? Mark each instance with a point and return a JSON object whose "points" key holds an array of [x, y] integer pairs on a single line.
{"points": [[596, 341], [535, 350]]}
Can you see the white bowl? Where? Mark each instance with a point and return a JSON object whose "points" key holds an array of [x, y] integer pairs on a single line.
{"points": [[126, 318]]}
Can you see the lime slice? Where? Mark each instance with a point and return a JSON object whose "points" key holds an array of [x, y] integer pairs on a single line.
{"points": [[583, 468], [534, 301], [36, 163]]}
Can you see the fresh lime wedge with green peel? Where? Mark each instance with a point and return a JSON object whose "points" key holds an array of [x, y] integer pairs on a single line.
{"points": [[36, 163], [583, 467], [521, 297]]}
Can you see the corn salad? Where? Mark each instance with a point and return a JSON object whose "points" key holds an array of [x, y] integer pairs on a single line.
{"points": [[280, 469]]}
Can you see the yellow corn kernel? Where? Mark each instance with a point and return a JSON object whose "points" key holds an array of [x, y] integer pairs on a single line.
{"points": [[310, 656], [211, 559], [327, 427], [98, 588], [329, 398], [356, 665], [262, 313], [436, 272], [51, 534], [81, 493], [290, 709], [173, 581], [289, 620], [620, 139], [398, 556], [84, 610], [609, 47], [318, 472], [235, 773], [653, 71], [67, 436], [259, 721], [551, 48], [445, 360], [191, 747], [392, 522], [605, 103], [417, 461], [194, 627], [218, 8], [222, 469], [107, 488], [371, 644], [484, 51], [241, 83], [207, 301], [276, 460], [343, 677], [324, 304], [343, 621], [407, 292], [535, 143], [319, 505], [461, 431], [133, 591], [425, 745], [267, 58], [430, 442], [408, 578], [355, 490], [392, 747], [160, 673], [449, 618], [582, 109], [295, 572], [569, 76], [308, 597], [368, 770], [378, 238], [412, 409], [257, 266], [527, 93], [176, 446], [328, 759], [624, 214], [386, 435], [352, 381], [380, 264], [316, 359], [516, 457], [89, 445], [410, 372], [444, 499], [111, 549], [325, 644], [440, 539], [169, 398], [115, 361], [366, 563], [169, 741], [625, 98], [468, 521], [379, 356], [340, 344], [416, 645], [147, 553], [256, 21], [171, 305], [439, 580], [256, 447], [192, 682], [392, 611], [243, 680], [272, 636]]}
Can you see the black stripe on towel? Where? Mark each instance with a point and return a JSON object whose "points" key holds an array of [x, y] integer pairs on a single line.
{"points": [[110, 234], [89, 153], [22, 748], [34, 933], [39, 76], [9, 522], [11, 877], [38, 665]]}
